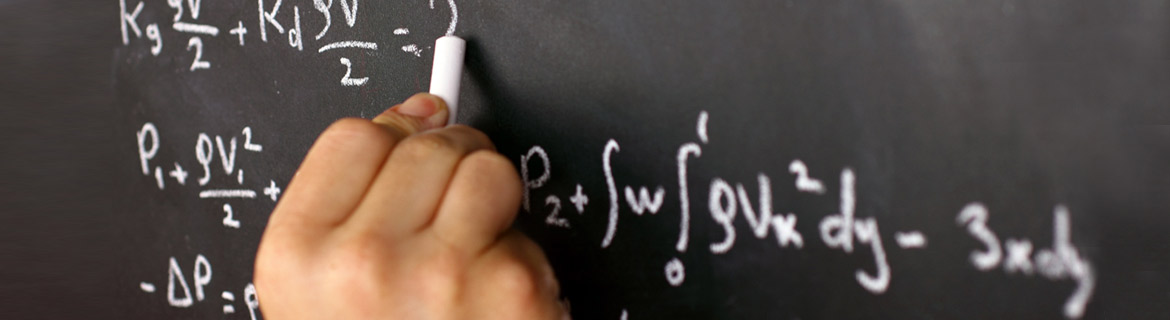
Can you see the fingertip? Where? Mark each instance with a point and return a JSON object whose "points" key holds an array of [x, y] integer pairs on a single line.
{"points": [[442, 113], [420, 112], [428, 108], [391, 111]]}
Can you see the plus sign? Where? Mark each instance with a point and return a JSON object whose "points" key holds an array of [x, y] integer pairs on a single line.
{"points": [[272, 191], [579, 200], [240, 31], [179, 174]]}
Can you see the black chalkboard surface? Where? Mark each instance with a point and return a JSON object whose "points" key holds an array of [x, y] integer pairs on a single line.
{"points": [[699, 160]]}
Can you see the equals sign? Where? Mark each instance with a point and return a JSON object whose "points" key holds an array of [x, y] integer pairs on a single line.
{"points": [[910, 240], [410, 48], [228, 308]]}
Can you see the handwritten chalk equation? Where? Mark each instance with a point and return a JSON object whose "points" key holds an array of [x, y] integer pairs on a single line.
{"points": [[227, 150], [844, 230], [273, 26], [181, 293], [217, 172]]}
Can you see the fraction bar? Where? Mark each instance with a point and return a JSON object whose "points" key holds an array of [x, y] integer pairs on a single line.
{"points": [[227, 193], [195, 28], [349, 44]]}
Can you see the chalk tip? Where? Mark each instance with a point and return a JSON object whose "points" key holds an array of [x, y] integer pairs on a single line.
{"points": [[450, 39]]}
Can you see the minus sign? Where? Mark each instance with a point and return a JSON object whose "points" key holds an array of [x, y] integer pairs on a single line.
{"points": [[147, 287], [910, 240]]}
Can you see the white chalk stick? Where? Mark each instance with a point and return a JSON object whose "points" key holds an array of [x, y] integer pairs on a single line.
{"points": [[448, 71]]}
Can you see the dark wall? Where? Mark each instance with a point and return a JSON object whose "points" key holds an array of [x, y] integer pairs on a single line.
{"points": [[58, 168]]}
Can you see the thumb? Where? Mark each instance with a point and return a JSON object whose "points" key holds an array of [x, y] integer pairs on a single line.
{"points": [[420, 112]]}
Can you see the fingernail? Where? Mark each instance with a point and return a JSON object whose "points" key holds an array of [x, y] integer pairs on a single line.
{"points": [[429, 107], [417, 106], [439, 118]]}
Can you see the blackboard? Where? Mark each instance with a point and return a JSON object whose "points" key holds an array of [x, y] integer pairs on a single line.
{"points": [[839, 159]]}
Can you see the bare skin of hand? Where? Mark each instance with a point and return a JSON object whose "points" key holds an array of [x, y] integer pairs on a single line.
{"points": [[402, 218]]}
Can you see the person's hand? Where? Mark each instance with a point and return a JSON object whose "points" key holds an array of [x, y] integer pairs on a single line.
{"points": [[402, 218]]}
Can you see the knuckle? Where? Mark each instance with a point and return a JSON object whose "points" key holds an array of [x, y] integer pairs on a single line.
{"points": [[352, 132], [428, 145], [516, 279], [439, 275], [357, 256], [399, 125], [275, 246], [263, 270], [355, 266], [488, 161], [529, 247], [497, 171], [473, 134], [360, 248], [277, 261]]}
